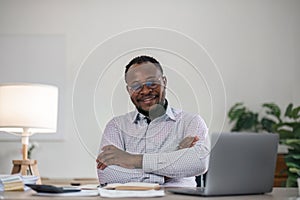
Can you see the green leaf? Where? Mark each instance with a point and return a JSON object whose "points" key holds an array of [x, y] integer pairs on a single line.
{"points": [[291, 180], [236, 111], [294, 146], [288, 111], [244, 120], [295, 171], [236, 114], [292, 141], [285, 134], [295, 113], [296, 131], [247, 122], [268, 125], [292, 165], [296, 157], [297, 134], [273, 109]]}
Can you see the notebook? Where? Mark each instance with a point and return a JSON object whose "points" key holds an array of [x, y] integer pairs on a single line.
{"points": [[240, 163]]}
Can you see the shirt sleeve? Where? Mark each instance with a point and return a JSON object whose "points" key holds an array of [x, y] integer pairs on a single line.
{"points": [[116, 174], [185, 162]]}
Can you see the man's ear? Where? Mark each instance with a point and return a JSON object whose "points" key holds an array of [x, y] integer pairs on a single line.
{"points": [[165, 81]]}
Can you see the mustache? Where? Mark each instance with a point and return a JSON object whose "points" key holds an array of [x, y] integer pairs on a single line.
{"points": [[148, 96]]}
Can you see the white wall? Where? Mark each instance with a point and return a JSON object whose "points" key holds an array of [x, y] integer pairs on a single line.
{"points": [[253, 45]]}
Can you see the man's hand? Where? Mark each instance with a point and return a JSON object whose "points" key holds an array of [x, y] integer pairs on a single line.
{"points": [[111, 155], [188, 142]]}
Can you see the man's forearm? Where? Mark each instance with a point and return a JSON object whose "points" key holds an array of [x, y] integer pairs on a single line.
{"points": [[117, 174], [111, 155], [182, 163]]}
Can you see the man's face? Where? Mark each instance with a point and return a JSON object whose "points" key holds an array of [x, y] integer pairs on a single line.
{"points": [[146, 86]]}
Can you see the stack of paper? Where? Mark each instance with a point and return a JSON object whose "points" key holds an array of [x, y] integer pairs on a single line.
{"points": [[133, 189], [130, 193], [132, 186], [16, 182], [11, 183], [30, 179]]}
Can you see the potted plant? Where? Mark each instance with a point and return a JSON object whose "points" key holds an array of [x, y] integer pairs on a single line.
{"points": [[272, 120], [293, 162]]}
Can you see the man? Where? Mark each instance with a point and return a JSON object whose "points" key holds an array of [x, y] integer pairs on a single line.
{"points": [[155, 143]]}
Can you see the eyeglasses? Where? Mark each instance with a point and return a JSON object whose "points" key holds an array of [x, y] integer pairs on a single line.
{"points": [[151, 84]]}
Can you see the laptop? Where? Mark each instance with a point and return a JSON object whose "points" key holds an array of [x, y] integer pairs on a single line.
{"points": [[239, 164]]}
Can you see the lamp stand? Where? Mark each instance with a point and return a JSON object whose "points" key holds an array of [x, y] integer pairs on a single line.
{"points": [[26, 166]]}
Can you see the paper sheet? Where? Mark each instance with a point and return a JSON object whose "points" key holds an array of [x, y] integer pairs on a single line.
{"points": [[130, 193]]}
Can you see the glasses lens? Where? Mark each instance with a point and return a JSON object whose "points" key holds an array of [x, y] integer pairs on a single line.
{"points": [[136, 87], [150, 84]]}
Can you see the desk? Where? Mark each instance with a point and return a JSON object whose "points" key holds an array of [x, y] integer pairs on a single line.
{"points": [[277, 194]]}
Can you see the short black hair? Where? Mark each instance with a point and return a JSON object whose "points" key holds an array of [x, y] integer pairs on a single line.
{"points": [[143, 59]]}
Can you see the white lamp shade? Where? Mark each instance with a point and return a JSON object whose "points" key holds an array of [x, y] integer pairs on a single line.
{"points": [[31, 106]]}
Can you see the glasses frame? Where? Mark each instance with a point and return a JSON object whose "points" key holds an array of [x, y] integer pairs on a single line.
{"points": [[150, 84]]}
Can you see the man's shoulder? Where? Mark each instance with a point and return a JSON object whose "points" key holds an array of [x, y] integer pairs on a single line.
{"points": [[179, 113], [190, 118], [130, 116], [122, 121]]}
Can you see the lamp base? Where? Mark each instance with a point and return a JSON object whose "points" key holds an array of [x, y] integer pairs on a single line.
{"points": [[26, 167]]}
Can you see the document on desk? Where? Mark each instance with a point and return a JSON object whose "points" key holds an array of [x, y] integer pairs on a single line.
{"points": [[130, 193], [16, 182]]}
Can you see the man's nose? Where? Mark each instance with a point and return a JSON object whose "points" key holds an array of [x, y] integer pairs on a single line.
{"points": [[145, 89]]}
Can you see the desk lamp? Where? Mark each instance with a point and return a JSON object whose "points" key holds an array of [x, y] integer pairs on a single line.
{"points": [[25, 109]]}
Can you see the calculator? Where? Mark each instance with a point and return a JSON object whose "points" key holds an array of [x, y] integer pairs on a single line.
{"points": [[52, 189]]}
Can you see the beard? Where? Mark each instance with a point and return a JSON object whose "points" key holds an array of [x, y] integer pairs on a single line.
{"points": [[154, 110]]}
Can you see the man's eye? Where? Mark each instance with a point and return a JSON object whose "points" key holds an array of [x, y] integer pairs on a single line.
{"points": [[150, 83], [136, 87]]}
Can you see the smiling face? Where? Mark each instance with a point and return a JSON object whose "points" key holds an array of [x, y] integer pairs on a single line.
{"points": [[146, 86]]}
